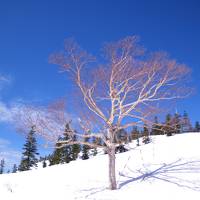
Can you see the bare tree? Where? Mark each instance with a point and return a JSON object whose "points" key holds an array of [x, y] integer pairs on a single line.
{"points": [[121, 91]]}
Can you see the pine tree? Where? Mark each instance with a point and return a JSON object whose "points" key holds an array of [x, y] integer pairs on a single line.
{"points": [[121, 138], [44, 164], [197, 126], [67, 149], [2, 166], [29, 158], [62, 153], [176, 123], [168, 128], [138, 142], [14, 170], [55, 158], [135, 133], [94, 149], [146, 138], [186, 125], [75, 149], [157, 129], [85, 149]]}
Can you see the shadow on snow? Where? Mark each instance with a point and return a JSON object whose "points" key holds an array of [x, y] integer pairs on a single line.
{"points": [[172, 173]]}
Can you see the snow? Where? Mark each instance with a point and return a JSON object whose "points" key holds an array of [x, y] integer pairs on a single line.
{"points": [[167, 168]]}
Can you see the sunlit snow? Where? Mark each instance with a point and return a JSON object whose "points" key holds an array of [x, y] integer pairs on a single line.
{"points": [[168, 168]]}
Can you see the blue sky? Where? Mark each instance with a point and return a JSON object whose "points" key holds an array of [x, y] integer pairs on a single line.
{"points": [[31, 30]]}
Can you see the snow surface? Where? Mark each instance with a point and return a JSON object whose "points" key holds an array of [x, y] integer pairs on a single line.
{"points": [[167, 168]]}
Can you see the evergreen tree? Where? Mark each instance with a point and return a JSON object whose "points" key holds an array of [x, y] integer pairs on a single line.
{"points": [[55, 158], [95, 141], [138, 142], [67, 149], [197, 126], [14, 170], [146, 138], [29, 158], [62, 152], [75, 149], [186, 125], [157, 129], [135, 133], [121, 138], [44, 164], [85, 149], [176, 123], [2, 166], [168, 128]]}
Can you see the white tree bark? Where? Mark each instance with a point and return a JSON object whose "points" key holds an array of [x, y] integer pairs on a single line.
{"points": [[123, 92], [112, 172]]}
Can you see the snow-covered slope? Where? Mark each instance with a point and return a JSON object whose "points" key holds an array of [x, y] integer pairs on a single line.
{"points": [[167, 168]]}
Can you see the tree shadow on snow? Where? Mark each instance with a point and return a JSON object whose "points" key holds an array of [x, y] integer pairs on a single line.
{"points": [[174, 173]]}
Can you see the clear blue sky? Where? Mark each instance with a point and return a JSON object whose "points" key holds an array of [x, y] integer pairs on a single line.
{"points": [[31, 30]]}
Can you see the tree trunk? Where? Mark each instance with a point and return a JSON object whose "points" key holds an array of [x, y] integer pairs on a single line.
{"points": [[112, 177]]}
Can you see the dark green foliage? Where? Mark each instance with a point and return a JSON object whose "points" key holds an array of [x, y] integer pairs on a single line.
{"points": [[66, 152], [95, 141], [75, 149], [145, 133], [44, 164], [176, 123], [67, 149], [168, 127], [197, 126], [29, 158], [55, 158], [85, 149], [14, 170], [2, 166], [63, 152]]}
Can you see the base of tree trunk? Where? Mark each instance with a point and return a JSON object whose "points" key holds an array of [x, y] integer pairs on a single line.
{"points": [[112, 176]]}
